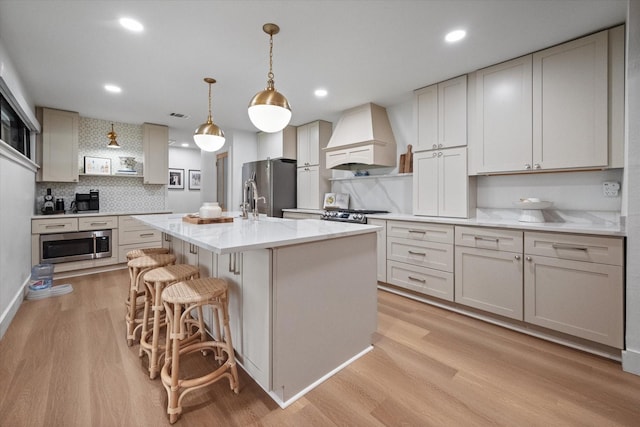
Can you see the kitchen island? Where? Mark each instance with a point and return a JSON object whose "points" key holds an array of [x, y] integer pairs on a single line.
{"points": [[303, 300]]}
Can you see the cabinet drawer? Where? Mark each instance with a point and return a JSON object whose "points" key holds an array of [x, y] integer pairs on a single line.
{"points": [[423, 254], [130, 223], [97, 223], [603, 250], [420, 231], [57, 225], [424, 280], [489, 238], [128, 237]]}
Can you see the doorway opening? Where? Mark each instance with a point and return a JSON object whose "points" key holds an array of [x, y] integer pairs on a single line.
{"points": [[222, 166]]}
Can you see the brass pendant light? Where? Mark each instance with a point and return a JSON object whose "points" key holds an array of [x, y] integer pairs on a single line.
{"points": [[209, 137], [269, 110], [112, 139]]}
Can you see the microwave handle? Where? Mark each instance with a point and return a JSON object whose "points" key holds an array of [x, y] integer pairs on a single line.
{"points": [[95, 245]]}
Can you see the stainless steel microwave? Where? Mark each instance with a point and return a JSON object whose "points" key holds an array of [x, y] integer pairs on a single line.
{"points": [[76, 246]]}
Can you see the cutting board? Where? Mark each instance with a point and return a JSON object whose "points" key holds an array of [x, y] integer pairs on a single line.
{"points": [[192, 219], [406, 161]]}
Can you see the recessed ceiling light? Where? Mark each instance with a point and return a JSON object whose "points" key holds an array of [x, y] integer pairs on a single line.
{"points": [[455, 36], [320, 93], [131, 25], [185, 144], [112, 88]]}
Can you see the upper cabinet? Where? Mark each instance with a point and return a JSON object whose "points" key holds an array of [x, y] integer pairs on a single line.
{"points": [[442, 115], [312, 138], [155, 152], [57, 146], [559, 108], [278, 144]]}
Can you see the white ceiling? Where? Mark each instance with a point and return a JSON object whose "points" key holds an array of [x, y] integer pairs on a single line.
{"points": [[360, 51]]}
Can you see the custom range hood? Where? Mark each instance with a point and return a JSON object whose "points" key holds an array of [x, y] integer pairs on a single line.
{"points": [[363, 139]]}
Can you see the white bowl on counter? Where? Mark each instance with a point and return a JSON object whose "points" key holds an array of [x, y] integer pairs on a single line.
{"points": [[532, 209]]}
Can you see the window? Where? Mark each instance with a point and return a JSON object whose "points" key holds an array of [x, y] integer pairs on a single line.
{"points": [[13, 131]]}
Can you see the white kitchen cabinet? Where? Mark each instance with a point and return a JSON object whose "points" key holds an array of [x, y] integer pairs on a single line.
{"points": [[487, 278], [420, 257], [381, 248], [155, 153], [570, 103], [504, 116], [275, 145], [135, 235], [174, 245], [441, 185], [313, 176], [575, 284], [57, 146], [441, 111]]}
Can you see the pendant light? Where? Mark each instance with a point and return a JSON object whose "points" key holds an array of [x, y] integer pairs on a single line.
{"points": [[269, 110], [112, 139], [209, 137]]}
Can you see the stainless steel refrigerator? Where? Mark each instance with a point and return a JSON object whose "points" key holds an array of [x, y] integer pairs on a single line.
{"points": [[275, 181]]}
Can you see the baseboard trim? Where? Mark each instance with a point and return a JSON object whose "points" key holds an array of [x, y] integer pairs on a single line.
{"points": [[11, 310], [631, 361]]}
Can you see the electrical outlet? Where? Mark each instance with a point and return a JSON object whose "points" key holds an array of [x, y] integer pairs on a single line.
{"points": [[610, 188]]}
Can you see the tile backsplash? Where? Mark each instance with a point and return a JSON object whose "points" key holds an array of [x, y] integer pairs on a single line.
{"points": [[117, 193]]}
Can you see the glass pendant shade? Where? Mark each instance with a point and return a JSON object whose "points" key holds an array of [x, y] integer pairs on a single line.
{"points": [[269, 110], [208, 136]]}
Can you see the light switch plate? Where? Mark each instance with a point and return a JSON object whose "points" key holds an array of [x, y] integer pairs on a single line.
{"points": [[610, 188]]}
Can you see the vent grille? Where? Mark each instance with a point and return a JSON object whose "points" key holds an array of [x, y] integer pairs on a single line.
{"points": [[179, 115]]}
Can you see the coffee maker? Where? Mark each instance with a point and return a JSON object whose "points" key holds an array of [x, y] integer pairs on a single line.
{"points": [[48, 207]]}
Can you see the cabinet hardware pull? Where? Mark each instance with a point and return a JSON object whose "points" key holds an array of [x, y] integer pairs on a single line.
{"points": [[527, 166], [528, 258], [54, 226], [439, 145], [566, 246], [488, 239], [439, 153], [434, 154], [99, 223], [231, 269], [416, 279], [237, 267], [537, 166], [147, 235], [435, 146], [417, 253], [517, 257], [417, 231]]}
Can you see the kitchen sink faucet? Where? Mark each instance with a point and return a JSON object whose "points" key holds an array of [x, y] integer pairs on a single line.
{"points": [[250, 185]]}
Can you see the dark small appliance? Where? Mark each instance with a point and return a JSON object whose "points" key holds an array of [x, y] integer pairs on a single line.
{"points": [[87, 202], [48, 207], [59, 205]]}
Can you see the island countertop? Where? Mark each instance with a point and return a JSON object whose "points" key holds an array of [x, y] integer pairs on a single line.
{"points": [[248, 234]]}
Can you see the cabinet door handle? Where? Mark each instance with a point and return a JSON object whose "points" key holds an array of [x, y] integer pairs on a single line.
{"points": [[434, 154], [488, 239], [54, 226], [529, 258], [167, 238], [439, 145], [417, 253], [146, 235], [571, 247], [536, 166], [231, 269], [439, 153], [527, 166], [435, 146], [99, 223], [517, 257], [237, 267], [417, 231], [417, 279]]}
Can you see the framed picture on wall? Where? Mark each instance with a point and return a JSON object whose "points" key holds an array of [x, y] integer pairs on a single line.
{"points": [[194, 179], [97, 166], [176, 179]]}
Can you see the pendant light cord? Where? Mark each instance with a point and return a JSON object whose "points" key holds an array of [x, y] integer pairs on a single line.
{"points": [[209, 119], [270, 83]]}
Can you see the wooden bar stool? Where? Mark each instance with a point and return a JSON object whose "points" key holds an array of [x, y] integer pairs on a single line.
{"points": [[137, 253], [155, 281], [137, 267], [179, 300]]}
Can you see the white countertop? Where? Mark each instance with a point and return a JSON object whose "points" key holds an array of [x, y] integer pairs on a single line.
{"points": [[583, 223], [248, 234], [78, 215]]}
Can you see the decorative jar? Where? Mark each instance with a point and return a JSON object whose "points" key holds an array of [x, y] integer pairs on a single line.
{"points": [[210, 210]]}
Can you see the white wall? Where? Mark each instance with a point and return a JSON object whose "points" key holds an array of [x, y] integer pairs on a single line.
{"points": [[631, 356], [243, 148], [184, 200]]}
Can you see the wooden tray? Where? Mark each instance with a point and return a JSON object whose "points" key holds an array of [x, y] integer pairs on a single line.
{"points": [[197, 220]]}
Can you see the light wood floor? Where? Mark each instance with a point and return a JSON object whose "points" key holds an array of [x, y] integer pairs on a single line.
{"points": [[64, 362]]}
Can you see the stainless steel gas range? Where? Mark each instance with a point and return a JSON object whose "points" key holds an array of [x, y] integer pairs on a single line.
{"points": [[358, 216]]}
